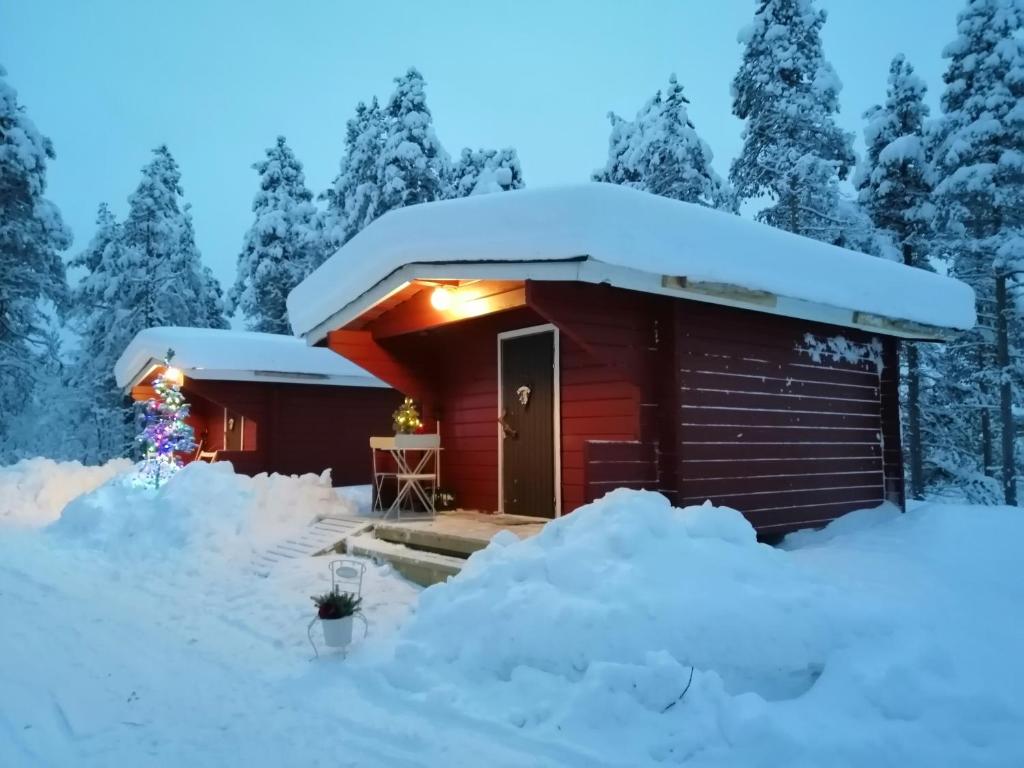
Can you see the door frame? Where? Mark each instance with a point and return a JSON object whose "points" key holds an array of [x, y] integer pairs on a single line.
{"points": [[556, 412]]}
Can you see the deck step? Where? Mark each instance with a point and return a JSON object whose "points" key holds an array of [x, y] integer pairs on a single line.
{"points": [[441, 542], [424, 568]]}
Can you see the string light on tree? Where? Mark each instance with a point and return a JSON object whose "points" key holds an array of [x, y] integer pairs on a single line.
{"points": [[164, 431], [406, 418]]}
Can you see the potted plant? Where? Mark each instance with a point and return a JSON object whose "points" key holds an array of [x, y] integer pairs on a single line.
{"points": [[336, 611]]}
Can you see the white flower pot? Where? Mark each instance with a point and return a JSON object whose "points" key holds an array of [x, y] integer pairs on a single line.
{"points": [[337, 632]]}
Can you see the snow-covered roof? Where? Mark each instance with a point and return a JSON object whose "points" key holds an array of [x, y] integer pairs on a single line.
{"points": [[612, 234], [210, 353]]}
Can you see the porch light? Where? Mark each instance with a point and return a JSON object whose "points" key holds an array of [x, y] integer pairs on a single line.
{"points": [[442, 298], [173, 376]]}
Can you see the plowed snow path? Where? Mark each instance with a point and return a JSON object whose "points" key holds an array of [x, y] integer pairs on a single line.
{"points": [[99, 669]]}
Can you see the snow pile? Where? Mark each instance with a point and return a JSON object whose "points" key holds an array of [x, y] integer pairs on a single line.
{"points": [[885, 639], [34, 491], [205, 508]]}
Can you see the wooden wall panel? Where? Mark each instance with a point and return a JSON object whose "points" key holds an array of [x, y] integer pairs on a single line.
{"points": [[786, 428]]}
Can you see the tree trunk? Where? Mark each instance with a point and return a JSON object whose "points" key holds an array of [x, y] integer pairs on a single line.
{"points": [[1006, 424], [914, 448], [914, 422]]}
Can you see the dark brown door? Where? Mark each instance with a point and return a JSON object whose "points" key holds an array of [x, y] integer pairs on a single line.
{"points": [[232, 431], [527, 424]]}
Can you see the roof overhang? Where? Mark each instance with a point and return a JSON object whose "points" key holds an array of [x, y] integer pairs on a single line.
{"points": [[280, 377], [588, 270]]}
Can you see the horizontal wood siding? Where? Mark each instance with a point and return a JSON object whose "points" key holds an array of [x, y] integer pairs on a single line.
{"points": [[465, 357], [609, 403], [296, 428], [781, 428]]}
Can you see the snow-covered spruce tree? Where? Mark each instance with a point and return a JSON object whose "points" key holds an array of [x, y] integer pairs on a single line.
{"points": [[661, 152], [102, 422], [353, 198], [413, 166], [32, 235], [162, 275], [793, 151], [481, 171], [894, 189], [282, 245], [979, 193]]}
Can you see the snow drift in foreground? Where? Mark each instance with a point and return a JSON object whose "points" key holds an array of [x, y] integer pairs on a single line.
{"points": [[137, 633], [205, 507], [884, 639], [34, 491]]}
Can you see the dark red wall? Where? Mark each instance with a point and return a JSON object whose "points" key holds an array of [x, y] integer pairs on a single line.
{"points": [[769, 430], [694, 400], [301, 428]]}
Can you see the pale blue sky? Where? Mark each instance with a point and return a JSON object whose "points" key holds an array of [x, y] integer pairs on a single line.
{"points": [[218, 80]]}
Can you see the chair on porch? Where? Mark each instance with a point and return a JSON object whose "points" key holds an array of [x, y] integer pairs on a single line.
{"points": [[208, 456]]}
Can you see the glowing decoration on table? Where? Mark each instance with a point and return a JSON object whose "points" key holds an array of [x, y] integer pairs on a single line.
{"points": [[406, 418], [442, 298], [164, 431]]}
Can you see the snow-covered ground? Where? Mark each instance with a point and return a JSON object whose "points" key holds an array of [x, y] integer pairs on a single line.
{"points": [[135, 633]]}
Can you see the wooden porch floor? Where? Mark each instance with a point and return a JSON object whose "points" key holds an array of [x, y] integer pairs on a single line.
{"points": [[461, 532]]}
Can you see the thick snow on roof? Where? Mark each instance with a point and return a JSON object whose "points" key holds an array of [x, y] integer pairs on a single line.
{"points": [[210, 353], [623, 227]]}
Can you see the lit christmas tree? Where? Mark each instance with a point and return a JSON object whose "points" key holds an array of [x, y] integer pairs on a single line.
{"points": [[164, 431], [406, 418]]}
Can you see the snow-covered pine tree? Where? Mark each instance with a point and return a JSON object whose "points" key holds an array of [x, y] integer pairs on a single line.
{"points": [[793, 151], [661, 152], [413, 166], [894, 189], [619, 169], [282, 245], [210, 303], [979, 194], [32, 235], [102, 422], [353, 198], [481, 171], [162, 275]]}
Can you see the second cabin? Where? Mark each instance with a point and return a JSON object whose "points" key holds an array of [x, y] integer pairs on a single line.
{"points": [[566, 342], [265, 402]]}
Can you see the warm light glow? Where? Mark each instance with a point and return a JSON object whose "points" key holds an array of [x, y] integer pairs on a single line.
{"points": [[174, 376], [442, 298]]}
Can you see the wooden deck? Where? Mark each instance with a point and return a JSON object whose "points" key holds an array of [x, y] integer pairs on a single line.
{"points": [[429, 551], [459, 533]]}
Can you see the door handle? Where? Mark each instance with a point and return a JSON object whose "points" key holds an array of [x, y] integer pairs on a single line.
{"points": [[506, 429]]}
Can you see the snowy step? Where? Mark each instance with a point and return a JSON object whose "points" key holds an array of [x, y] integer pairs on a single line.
{"points": [[319, 536], [424, 568]]}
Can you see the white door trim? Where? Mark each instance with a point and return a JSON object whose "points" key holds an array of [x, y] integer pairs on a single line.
{"points": [[556, 411]]}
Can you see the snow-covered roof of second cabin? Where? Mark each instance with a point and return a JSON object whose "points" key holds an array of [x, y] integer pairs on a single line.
{"points": [[225, 355], [605, 233]]}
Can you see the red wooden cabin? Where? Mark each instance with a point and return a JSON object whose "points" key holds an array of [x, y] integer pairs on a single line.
{"points": [[570, 341], [267, 403]]}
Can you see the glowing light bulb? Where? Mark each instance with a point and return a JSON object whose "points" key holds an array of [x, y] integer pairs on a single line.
{"points": [[174, 376], [442, 298]]}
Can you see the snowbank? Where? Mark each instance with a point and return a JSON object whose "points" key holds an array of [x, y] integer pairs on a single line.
{"points": [[205, 508], [34, 491], [884, 639]]}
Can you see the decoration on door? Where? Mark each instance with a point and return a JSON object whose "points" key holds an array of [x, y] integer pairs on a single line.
{"points": [[523, 393]]}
